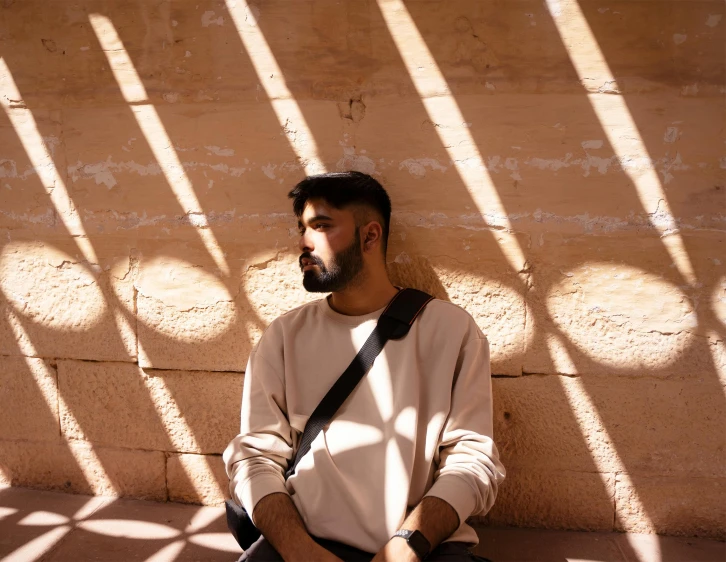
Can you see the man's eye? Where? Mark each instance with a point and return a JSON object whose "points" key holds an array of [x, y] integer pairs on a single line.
{"points": [[321, 226]]}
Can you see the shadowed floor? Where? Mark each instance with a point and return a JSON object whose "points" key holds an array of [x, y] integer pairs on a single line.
{"points": [[48, 526]]}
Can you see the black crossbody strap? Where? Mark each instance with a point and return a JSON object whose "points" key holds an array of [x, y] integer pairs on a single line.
{"points": [[394, 323]]}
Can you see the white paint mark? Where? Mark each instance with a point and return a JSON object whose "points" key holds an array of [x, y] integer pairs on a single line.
{"points": [[592, 144], [171, 97], [210, 18], [671, 135], [85, 48], [690, 90], [402, 258], [490, 86], [713, 20], [269, 170], [679, 38], [353, 161], [603, 10], [188, 54], [220, 151], [101, 174], [150, 124], [417, 166], [174, 23]]}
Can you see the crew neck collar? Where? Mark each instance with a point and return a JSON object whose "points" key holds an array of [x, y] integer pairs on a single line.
{"points": [[346, 319]]}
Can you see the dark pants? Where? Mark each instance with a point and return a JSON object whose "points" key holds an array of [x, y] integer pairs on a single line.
{"points": [[262, 551]]}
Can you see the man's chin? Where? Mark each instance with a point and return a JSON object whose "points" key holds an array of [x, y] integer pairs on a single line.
{"points": [[312, 284]]}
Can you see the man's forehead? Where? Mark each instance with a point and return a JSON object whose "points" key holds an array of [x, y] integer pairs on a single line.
{"points": [[318, 208]]}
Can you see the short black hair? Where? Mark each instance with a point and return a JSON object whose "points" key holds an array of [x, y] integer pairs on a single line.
{"points": [[344, 189]]}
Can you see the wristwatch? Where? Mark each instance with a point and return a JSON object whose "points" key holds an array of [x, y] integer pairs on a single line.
{"points": [[418, 543]]}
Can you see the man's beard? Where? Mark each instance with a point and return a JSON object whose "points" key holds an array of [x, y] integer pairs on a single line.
{"points": [[343, 269]]}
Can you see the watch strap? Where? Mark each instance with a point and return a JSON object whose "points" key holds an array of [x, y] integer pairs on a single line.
{"points": [[416, 541]]}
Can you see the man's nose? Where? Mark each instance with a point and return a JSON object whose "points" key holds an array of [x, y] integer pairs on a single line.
{"points": [[304, 244]]}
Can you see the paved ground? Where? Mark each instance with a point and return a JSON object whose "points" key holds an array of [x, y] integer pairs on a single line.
{"points": [[51, 527]]}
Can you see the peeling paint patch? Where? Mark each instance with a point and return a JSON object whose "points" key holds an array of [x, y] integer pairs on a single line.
{"points": [[592, 144], [713, 20], [210, 18], [220, 151], [417, 166], [358, 162], [679, 38], [671, 135], [269, 171]]}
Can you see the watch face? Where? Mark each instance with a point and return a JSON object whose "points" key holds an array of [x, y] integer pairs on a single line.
{"points": [[419, 543]]}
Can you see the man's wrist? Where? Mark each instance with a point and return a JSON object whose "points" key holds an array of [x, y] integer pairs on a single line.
{"points": [[416, 541], [398, 550]]}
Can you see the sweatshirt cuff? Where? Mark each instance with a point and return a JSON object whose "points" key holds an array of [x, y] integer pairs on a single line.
{"points": [[455, 491], [252, 490]]}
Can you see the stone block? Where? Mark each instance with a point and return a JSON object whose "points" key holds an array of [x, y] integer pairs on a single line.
{"points": [[555, 500], [191, 318], [199, 479], [593, 311], [536, 429], [209, 404], [122, 405], [110, 404], [80, 468], [609, 424], [681, 505], [59, 305], [28, 400]]}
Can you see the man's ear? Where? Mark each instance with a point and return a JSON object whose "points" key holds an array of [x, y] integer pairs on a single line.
{"points": [[372, 233]]}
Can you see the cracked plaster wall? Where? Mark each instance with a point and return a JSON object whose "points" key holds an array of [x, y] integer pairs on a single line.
{"points": [[609, 366]]}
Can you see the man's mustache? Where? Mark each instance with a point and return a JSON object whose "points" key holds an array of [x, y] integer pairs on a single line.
{"points": [[315, 260]]}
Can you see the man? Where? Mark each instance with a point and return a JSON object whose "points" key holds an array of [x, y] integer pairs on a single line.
{"points": [[411, 448]]}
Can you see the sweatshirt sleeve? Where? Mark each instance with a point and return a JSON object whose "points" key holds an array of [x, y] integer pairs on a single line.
{"points": [[257, 458], [468, 472]]}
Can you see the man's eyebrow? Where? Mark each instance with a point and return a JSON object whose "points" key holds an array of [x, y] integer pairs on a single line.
{"points": [[317, 218]]}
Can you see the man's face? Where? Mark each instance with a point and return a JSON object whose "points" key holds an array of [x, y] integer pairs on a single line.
{"points": [[330, 243]]}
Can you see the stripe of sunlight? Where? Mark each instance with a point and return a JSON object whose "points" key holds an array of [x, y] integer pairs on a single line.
{"points": [[25, 126], [150, 124], [619, 126], [270, 76], [89, 464], [586, 414], [443, 110]]}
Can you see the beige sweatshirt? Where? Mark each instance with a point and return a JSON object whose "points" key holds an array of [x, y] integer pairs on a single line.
{"points": [[418, 424]]}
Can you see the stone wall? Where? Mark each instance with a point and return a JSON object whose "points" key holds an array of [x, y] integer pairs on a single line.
{"points": [[556, 168]]}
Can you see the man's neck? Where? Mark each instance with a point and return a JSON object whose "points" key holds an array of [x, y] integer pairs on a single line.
{"points": [[371, 294]]}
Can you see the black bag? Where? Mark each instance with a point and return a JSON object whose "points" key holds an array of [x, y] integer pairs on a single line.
{"points": [[394, 324]]}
